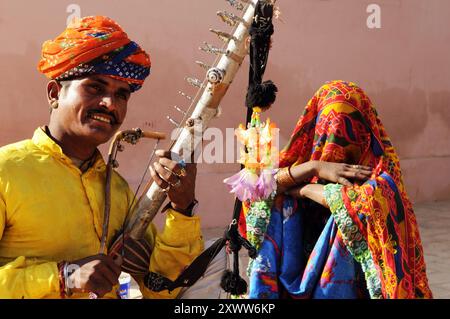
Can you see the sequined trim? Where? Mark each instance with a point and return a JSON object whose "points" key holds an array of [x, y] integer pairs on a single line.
{"points": [[353, 239]]}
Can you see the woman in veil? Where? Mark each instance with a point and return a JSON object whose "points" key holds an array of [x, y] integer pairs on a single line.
{"points": [[342, 225]]}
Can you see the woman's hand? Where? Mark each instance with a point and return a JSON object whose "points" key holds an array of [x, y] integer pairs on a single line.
{"points": [[333, 172], [311, 191], [341, 173]]}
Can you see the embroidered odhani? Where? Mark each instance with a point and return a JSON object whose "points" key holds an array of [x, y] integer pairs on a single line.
{"points": [[353, 239], [367, 244]]}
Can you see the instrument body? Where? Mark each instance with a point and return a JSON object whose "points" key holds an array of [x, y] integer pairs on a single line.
{"points": [[220, 77]]}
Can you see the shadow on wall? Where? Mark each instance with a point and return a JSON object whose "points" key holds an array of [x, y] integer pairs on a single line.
{"points": [[439, 103]]}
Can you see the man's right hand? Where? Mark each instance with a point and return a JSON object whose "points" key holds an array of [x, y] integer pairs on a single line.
{"points": [[97, 274]]}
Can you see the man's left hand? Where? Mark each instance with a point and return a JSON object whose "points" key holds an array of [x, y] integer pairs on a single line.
{"points": [[179, 181]]}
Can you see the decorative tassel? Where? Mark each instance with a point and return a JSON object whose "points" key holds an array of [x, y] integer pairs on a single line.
{"points": [[233, 283], [262, 95]]}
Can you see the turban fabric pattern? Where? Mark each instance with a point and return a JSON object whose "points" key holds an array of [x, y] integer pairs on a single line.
{"points": [[95, 45]]}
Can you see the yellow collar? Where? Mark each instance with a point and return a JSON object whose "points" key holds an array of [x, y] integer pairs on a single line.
{"points": [[46, 144]]}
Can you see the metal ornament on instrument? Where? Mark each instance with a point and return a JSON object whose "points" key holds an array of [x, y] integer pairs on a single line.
{"points": [[215, 75]]}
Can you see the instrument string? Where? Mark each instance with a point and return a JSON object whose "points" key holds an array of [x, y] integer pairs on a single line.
{"points": [[152, 155]]}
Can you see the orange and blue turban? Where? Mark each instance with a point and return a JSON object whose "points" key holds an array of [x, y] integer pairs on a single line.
{"points": [[95, 45]]}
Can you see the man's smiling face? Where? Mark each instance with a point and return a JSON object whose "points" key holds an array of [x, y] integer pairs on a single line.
{"points": [[92, 108]]}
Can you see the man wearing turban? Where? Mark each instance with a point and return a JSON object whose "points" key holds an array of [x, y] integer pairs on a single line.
{"points": [[52, 186]]}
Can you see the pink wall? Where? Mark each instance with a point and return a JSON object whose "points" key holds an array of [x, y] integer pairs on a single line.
{"points": [[403, 66]]}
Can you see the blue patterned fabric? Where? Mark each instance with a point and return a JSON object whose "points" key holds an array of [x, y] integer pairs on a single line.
{"points": [[115, 65], [328, 271]]}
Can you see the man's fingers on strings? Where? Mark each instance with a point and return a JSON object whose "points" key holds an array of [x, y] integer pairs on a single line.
{"points": [[165, 174], [163, 153], [173, 166], [169, 154], [158, 180]]}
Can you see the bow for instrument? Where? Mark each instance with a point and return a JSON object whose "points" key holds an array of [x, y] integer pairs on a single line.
{"points": [[131, 137]]}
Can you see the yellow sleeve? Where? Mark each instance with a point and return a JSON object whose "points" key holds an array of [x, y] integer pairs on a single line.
{"points": [[175, 248], [23, 279], [19, 280]]}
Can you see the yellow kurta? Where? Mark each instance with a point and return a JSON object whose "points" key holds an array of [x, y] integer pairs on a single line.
{"points": [[50, 211]]}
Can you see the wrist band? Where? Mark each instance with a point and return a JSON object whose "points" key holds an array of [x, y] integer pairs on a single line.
{"points": [[62, 280], [284, 178]]}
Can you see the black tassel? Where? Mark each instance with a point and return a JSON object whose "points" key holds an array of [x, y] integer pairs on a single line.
{"points": [[262, 95], [233, 283]]}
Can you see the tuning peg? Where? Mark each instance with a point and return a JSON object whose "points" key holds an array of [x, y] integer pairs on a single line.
{"points": [[185, 95], [231, 19], [194, 82], [236, 4], [120, 147], [203, 65], [173, 121], [208, 48], [131, 138], [225, 37], [180, 110]]}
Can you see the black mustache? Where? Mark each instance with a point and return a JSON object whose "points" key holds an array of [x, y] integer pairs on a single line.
{"points": [[100, 111]]}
